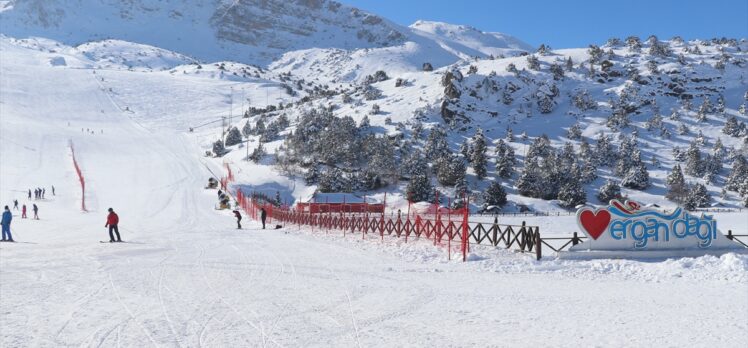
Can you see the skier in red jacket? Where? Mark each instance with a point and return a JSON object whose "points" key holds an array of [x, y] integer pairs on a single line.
{"points": [[112, 220]]}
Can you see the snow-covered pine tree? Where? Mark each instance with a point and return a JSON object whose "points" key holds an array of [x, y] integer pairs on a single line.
{"points": [[694, 164], [365, 123], [233, 137], [311, 176], [677, 189], [637, 178], [610, 190], [533, 63], [419, 188], [478, 157], [574, 132], [436, 143], [505, 160], [449, 169], [572, 194], [569, 64], [557, 71], [414, 164], [332, 180], [218, 148], [732, 127], [738, 174], [466, 150], [509, 135], [494, 195], [247, 129], [698, 197], [529, 182], [257, 154]]}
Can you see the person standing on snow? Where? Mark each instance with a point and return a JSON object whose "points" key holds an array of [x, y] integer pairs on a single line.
{"points": [[23, 211], [7, 217], [36, 211], [29, 193], [238, 219], [263, 216], [111, 221], [53, 190], [43, 192], [15, 204]]}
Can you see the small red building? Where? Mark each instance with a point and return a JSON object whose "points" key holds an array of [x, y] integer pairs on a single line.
{"points": [[340, 202]]}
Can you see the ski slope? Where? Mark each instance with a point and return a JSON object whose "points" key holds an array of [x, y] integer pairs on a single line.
{"points": [[188, 278]]}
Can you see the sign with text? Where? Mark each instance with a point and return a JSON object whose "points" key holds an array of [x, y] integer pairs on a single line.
{"points": [[630, 227]]}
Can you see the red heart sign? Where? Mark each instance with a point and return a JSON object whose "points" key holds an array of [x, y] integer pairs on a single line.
{"points": [[594, 223]]}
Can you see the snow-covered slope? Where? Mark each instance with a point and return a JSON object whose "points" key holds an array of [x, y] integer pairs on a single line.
{"points": [[467, 41], [187, 277]]}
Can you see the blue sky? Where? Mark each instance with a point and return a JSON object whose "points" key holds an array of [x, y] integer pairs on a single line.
{"points": [[575, 23]]}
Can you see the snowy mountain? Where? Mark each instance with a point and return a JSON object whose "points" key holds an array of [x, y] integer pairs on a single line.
{"points": [[247, 31]]}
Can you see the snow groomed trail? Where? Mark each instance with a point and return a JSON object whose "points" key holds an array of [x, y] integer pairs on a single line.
{"points": [[187, 278]]}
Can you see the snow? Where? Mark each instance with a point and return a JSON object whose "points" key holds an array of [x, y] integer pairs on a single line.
{"points": [[186, 277]]}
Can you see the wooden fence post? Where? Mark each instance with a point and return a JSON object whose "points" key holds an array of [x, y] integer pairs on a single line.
{"points": [[575, 239], [729, 234], [538, 242]]}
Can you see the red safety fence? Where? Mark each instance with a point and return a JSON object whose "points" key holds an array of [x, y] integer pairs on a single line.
{"points": [[441, 230], [80, 176]]}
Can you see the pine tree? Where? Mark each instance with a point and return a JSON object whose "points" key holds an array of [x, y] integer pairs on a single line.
{"points": [[732, 128], [419, 188], [436, 143], [694, 164], [610, 190], [572, 194], [466, 150], [450, 170], [529, 182], [218, 148], [414, 164], [557, 71], [494, 195], [233, 137], [365, 123], [311, 176], [533, 63], [569, 64], [637, 178], [676, 185], [604, 150], [505, 160], [738, 174], [332, 180], [698, 197], [478, 157], [247, 129], [574, 132]]}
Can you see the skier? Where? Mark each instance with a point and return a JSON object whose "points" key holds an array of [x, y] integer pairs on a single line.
{"points": [[263, 216], [53, 190], [29, 193], [112, 220], [43, 192], [15, 204], [23, 211], [7, 217], [36, 211], [238, 219]]}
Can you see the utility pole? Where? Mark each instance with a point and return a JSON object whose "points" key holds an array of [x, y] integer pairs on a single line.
{"points": [[231, 103]]}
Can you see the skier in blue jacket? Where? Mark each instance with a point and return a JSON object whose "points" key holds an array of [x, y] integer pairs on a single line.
{"points": [[7, 217]]}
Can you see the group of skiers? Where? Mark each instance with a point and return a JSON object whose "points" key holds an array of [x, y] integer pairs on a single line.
{"points": [[34, 207], [224, 200], [40, 192]]}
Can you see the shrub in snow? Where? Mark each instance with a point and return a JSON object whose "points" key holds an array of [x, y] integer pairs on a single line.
{"points": [[365, 123], [512, 68], [544, 50], [218, 148], [494, 195], [399, 82], [374, 109], [574, 132], [371, 93], [596, 54], [233, 137], [427, 67]]}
